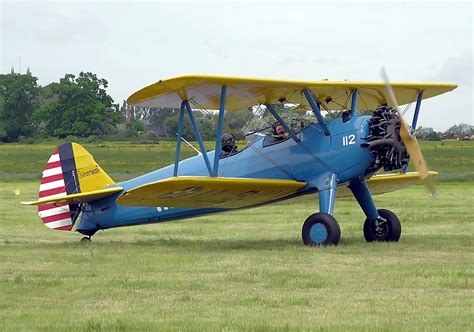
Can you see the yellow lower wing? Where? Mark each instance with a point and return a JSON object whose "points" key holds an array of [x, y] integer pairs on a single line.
{"points": [[378, 184], [209, 192], [231, 193], [77, 198], [385, 183]]}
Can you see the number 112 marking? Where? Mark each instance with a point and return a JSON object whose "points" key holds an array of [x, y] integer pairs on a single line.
{"points": [[348, 140]]}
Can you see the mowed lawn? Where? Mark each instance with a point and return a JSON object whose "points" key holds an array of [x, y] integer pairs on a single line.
{"points": [[244, 270], [121, 160]]}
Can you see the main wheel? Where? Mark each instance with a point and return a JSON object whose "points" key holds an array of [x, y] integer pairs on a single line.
{"points": [[385, 228], [321, 229]]}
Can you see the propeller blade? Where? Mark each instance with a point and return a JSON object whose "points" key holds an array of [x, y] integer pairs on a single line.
{"points": [[410, 141]]}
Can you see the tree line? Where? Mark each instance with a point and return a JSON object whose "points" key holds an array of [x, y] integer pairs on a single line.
{"points": [[460, 131], [76, 105], [79, 106]]}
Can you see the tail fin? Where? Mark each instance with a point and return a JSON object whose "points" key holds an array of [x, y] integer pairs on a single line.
{"points": [[69, 170]]}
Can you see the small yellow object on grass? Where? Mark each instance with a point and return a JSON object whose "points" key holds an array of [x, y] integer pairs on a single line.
{"points": [[17, 192]]}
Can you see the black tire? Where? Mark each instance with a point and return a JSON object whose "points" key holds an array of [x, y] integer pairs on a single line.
{"points": [[86, 240], [387, 228], [321, 229]]}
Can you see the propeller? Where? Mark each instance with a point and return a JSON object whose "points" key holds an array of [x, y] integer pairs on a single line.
{"points": [[410, 141]]}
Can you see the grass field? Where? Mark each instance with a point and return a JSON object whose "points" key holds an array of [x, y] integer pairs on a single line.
{"points": [[121, 160], [245, 270], [453, 159]]}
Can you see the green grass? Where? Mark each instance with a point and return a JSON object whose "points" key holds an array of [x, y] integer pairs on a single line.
{"points": [[120, 160], [245, 270], [453, 159]]}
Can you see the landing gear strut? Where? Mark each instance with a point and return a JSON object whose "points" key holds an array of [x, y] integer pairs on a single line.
{"points": [[322, 228], [381, 224]]}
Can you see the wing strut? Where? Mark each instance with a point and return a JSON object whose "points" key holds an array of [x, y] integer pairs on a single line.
{"points": [[413, 124], [220, 124], [355, 95], [316, 111], [178, 139], [186, 107], [417, 109], [198, 136]]}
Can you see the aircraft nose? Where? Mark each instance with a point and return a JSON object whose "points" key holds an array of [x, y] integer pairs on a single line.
{"points": [[385, 141]]}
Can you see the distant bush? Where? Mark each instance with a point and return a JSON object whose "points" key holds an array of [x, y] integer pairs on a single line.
{"points": [[148, 138], [433, 136], [25, 140]]}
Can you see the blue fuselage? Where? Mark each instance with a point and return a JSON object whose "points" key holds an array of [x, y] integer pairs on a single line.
{"points": [[315, 157]]}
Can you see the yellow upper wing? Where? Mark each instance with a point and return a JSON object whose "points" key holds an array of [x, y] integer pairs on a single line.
{"points": [[206, 192], [204, 91]]}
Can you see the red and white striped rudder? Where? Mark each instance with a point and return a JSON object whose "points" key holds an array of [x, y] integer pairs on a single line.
{"points": [[55, 216]]}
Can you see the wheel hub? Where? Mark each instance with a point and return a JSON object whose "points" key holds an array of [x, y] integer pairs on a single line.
{"points": [[380, 228], [318, 233]]}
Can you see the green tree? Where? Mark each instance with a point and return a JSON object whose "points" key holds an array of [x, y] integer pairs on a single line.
{"points": [[461, 130], [205, 122], [158, 116], [433, 136], [236, 121], [171, 126], [423, 132], [134, 128], [18, 101], [80, 107]]}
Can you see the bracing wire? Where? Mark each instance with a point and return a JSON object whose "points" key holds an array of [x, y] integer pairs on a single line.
{"points": [[259, 152], [304, 146], [410, 103]]}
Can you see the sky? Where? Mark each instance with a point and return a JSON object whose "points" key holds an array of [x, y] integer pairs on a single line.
{"points": [[134, 44]]}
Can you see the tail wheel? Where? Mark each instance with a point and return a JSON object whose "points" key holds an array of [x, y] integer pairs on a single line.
{"points": [[386, 227], [86, 240], [321, 229]]}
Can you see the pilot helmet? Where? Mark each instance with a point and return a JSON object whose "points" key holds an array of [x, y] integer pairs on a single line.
{"points": [[275, 126], [227, 142]]}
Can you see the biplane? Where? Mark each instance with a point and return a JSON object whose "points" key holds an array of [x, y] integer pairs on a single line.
{"points": [[321, 160]]}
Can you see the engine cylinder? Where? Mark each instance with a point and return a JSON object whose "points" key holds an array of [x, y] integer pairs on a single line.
{"points": [[384, 140]]}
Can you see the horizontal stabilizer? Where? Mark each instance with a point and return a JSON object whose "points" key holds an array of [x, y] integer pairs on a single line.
{"points": [[209, 192], [76, 198]]}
